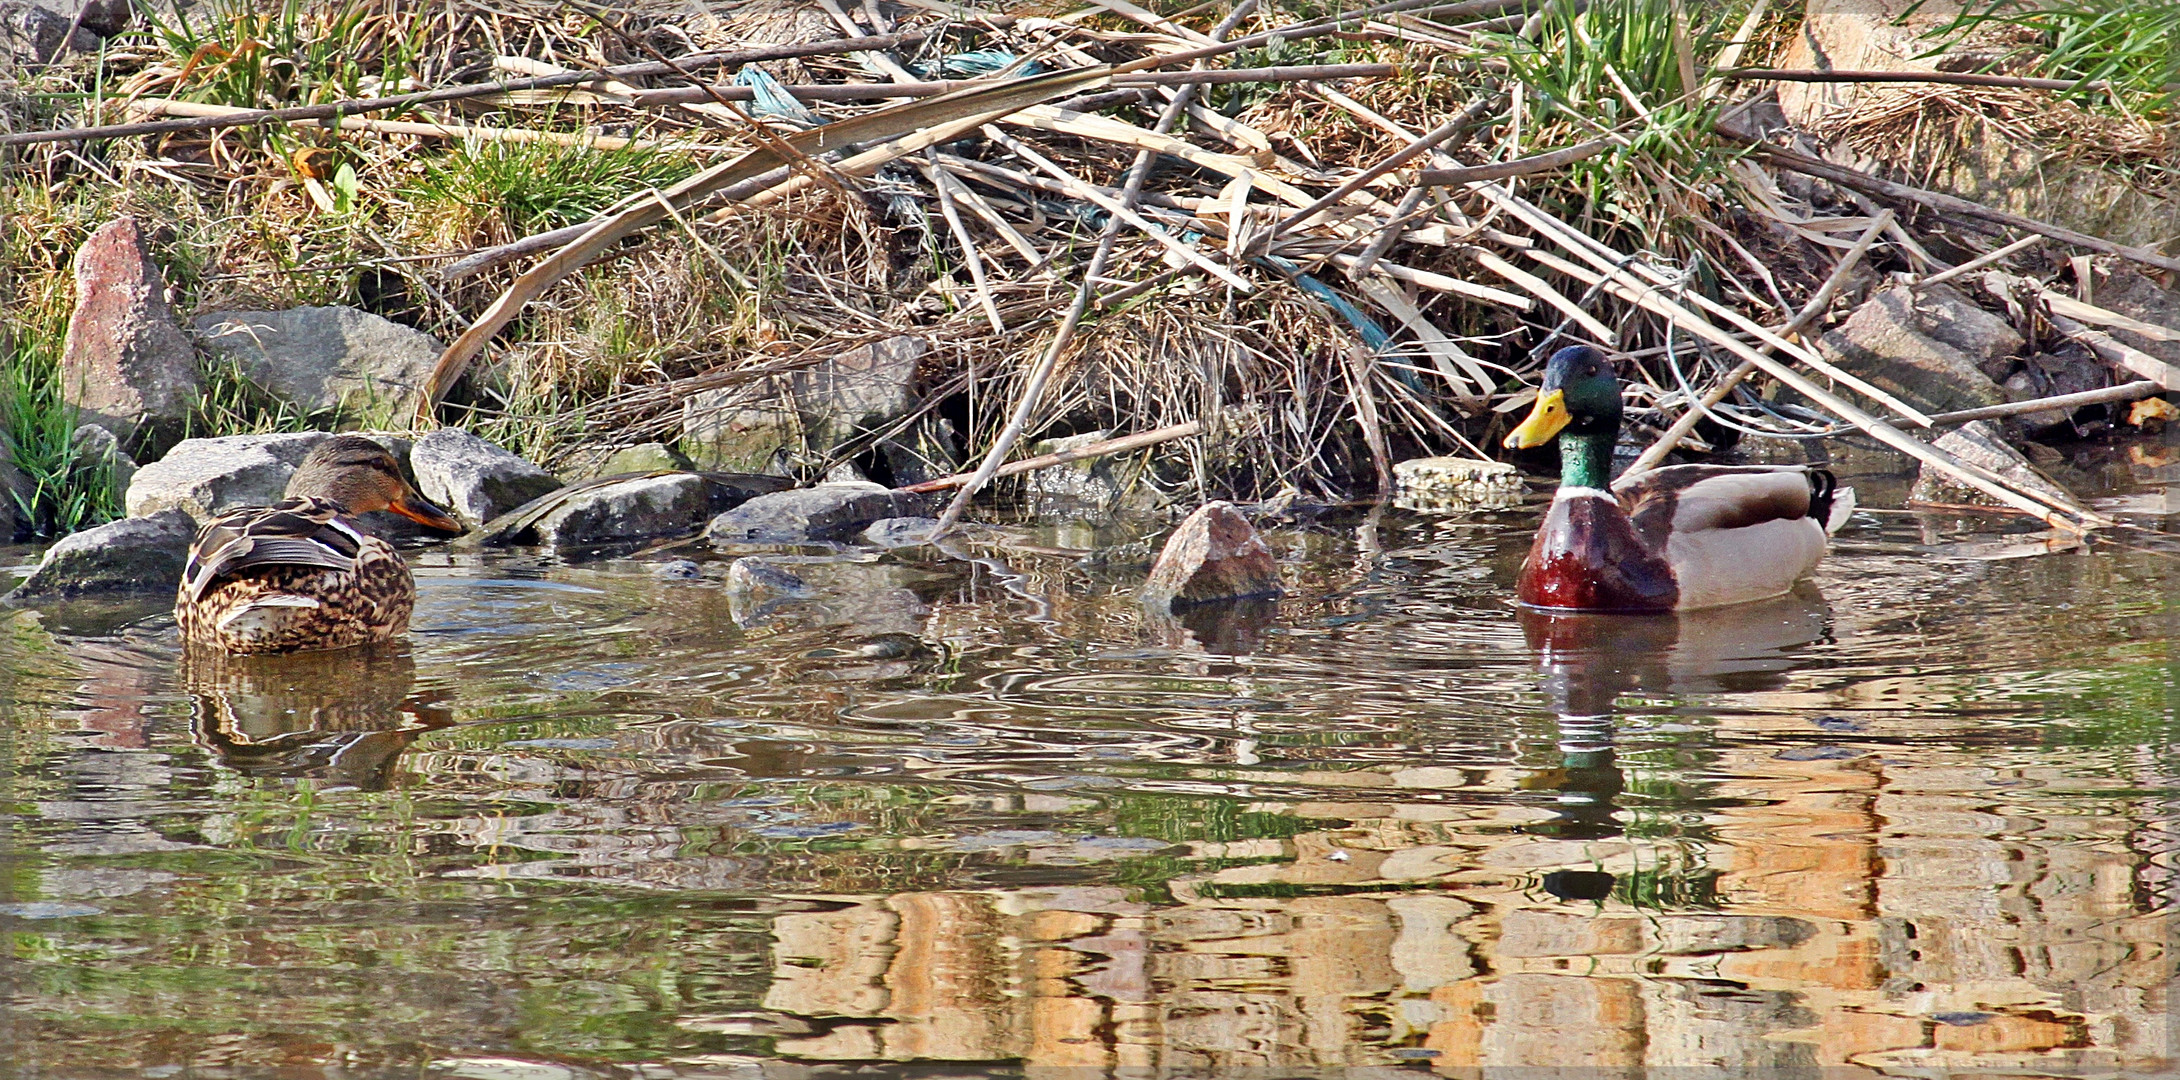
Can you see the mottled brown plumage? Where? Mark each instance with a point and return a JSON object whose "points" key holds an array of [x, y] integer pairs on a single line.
{"points": [[295, 575]]}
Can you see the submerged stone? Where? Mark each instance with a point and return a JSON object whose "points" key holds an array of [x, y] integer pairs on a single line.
{"points": [[1982, 443]]}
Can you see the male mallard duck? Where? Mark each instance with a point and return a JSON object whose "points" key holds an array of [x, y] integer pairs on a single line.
{"points": [[1687, 536], [295, 575]]}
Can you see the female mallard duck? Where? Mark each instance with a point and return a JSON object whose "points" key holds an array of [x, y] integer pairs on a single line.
{"points": [[1672, 539], [295, 575]]}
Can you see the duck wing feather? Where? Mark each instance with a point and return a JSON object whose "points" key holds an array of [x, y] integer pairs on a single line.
{"points": [[1688, 499], [292, 532]]}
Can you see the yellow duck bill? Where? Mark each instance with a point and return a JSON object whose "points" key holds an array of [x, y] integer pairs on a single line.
{"points": [[1545, 421]]}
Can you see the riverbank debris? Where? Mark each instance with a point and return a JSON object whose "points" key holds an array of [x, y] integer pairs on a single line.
{"points": [[1290, 249]]}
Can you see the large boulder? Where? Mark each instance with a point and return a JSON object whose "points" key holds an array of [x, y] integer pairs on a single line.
{"points": [[473, 478], [1892, 342], [637, 508], [1214, 554], [326, 359], [208, 477], [822, 513], [127, 366], [135, 553]]}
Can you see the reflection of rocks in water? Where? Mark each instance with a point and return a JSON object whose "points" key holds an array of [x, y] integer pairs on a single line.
{"points": [[345, 715], [1221, 627]]}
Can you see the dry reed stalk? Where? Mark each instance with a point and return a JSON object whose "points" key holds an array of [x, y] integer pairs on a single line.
{"points": [[429, 130]]}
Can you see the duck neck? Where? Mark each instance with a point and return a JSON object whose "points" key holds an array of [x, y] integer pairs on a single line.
{"points": [[1585, 459]]}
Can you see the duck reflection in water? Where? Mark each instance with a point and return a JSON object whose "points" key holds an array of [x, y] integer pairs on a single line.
{"points": [[342, 716], [1590, 660]]}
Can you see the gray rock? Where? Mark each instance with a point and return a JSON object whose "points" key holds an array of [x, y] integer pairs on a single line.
{"points": [[729, 490], [127, 366], [1981, 443], [2047, 375], [102, 17], [475, 479], [824, 512], [1887, 341], [135, 553], [208, 477], [1214, 554], [639, 508], [899, 532], [93, 446], [720, 430], [30, 34], [859, 390], [644, 457], [326, 359], [1948, 317]]}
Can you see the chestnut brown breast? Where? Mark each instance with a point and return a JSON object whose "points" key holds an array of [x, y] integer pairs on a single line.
{"points": [[1588, 557]]}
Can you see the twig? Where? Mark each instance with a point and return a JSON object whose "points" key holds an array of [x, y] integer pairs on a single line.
{"points": [[868, 91], [1810, 313], [1979, 262], [2131, 391], [1101, 448], [969, 253], [449, 93], [429, 130], [1950, 78], [1517, 167]]}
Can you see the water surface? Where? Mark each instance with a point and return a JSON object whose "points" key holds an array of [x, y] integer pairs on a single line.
{"points": [[593, 822]]}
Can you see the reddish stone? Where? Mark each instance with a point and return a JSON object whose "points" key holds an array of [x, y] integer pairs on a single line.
{"points": [[1214, 555], [127, 367]]}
